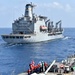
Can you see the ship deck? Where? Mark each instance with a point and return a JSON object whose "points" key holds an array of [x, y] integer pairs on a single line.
{"points": [[49, 73]]}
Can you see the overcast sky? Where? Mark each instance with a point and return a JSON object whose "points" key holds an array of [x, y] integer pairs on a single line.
{"points": [[54, 9]]}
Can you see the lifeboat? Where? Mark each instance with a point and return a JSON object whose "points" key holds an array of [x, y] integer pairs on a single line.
{"points": [[43, 27]]}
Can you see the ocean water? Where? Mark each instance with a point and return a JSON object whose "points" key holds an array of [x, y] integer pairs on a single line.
{"points": [[15, 59]]}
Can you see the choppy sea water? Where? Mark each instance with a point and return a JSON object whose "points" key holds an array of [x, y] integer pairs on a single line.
{"points": [[15, 59]]}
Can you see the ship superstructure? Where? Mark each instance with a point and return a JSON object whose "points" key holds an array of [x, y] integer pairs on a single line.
{"points": [[32, 28]]}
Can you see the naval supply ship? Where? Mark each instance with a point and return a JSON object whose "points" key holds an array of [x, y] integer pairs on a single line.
{"points": [[32, 28]]}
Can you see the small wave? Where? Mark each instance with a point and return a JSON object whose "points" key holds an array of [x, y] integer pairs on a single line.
{"points": [[65, 38], [6, 45], [11, 45]]}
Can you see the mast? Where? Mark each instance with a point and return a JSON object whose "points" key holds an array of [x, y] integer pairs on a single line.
{"points": [[29, 11]]}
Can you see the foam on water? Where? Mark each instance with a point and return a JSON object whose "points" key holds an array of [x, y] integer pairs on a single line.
{"points": [[66, 38]]}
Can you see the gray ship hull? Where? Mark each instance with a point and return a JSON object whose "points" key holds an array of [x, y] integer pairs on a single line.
{"points": [[30, 38]]}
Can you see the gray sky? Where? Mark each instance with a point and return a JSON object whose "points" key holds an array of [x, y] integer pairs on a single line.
{"points": [[54, 9]]}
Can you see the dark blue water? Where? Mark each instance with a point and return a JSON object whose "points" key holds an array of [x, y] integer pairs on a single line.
{"points": [[16, 58]]}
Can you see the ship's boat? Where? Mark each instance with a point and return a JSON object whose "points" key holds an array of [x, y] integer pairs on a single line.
{"points": [[32, 28]]}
